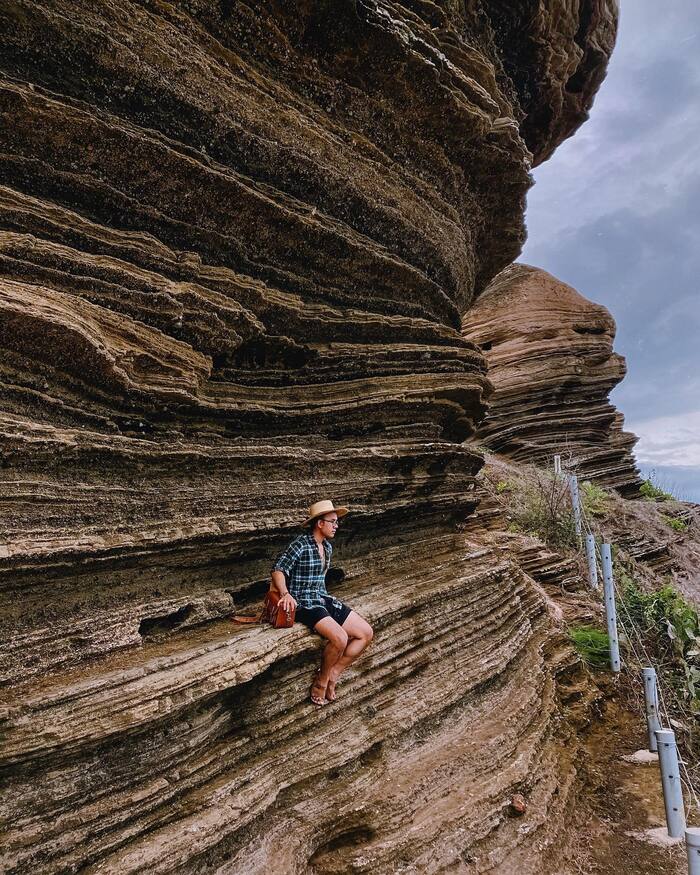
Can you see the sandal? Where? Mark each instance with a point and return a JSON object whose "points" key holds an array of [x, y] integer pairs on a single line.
{"points": [[330, 693], [317, 699]]}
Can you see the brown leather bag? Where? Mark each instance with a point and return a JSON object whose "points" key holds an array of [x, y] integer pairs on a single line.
{"points": [[270, 613], [273, 614]]}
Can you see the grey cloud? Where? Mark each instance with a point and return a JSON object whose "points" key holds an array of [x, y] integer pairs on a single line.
{"points": [[616, 211], [646, 273]]}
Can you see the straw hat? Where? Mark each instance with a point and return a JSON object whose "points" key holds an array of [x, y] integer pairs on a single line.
{"points": [[318, 508]]}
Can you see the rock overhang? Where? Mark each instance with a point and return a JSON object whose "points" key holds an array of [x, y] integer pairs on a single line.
{"points": [[236, 242]]}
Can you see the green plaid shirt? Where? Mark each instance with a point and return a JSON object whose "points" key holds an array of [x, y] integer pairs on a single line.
{"points": [[304, 571]]}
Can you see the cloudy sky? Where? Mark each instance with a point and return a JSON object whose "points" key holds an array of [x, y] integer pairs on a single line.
{"points": [[616, 213]]}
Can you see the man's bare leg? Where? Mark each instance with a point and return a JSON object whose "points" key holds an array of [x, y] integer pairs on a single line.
{"points": [[359, 633], [337, 639]]}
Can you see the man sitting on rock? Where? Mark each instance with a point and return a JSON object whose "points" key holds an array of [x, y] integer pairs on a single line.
{"points": [[298, 575]]}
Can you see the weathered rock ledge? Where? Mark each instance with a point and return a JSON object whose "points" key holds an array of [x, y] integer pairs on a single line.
{"points": [[202, 749]]}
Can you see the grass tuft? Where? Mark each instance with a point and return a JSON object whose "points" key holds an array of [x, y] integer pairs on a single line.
{"points": [[543, 509], [671, 625], [592, 644], [652, 492], [676, 524]]}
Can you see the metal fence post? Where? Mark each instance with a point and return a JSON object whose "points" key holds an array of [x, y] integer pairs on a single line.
{"points": [[692, 846], [592, 567], [575, 503], [610, 612], [671, 782], [651, 700]]}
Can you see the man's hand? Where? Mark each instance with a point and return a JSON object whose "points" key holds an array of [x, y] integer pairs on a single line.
{"points": [[287, 603]]}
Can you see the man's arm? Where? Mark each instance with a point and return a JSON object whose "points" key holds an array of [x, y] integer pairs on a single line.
{"points": [[279, 581], [283, 567]]}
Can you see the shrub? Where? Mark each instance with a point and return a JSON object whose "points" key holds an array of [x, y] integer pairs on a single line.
{"points": [[592, 644], [595, 499], [671, 624], [544, 509], [504, 486]]}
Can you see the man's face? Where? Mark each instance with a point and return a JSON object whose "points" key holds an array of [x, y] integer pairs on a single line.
{"points": [[328, 525]]}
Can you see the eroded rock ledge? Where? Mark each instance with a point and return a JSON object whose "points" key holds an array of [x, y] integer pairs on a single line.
{"points": [[551, 360], [235, 245], [181, 756]]}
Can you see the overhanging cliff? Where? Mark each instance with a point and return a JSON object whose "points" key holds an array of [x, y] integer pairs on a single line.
{"points": [[236, 243]]}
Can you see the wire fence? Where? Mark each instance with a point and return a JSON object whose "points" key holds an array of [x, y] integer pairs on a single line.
{"points": [[634, 636]]}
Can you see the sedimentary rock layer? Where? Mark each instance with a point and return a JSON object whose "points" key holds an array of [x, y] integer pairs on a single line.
{"points": [[235, 245], [196, 756], [551, 360]]}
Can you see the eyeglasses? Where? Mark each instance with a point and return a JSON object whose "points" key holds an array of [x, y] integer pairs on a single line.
{"points": [[335, 523]]}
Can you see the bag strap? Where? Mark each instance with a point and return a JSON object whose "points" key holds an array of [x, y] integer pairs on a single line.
{"points": [[266, 613], [243, 618]]}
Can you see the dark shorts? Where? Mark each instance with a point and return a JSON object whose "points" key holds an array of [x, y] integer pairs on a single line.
{"points": [[334, 608]]}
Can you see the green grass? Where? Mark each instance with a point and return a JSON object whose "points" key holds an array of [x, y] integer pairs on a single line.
{"points": [[676, 524], [652, 492], [592, 645], [595, 499]]}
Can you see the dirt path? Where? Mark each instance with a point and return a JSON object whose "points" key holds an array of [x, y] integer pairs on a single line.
{"points": [[624, 801]]}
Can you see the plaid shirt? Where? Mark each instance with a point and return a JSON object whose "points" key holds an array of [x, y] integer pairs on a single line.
{"points": [[304, 571]]}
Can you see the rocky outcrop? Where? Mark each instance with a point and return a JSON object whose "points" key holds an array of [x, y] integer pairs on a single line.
{"points": [[551, 360], [235, 244]]}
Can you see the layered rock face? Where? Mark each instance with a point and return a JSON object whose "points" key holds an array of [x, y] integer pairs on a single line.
{"points": [[203, 755], [235, 243], [551, 360]]}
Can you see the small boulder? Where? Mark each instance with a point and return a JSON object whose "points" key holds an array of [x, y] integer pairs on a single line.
{"points": [[518, 806]]}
